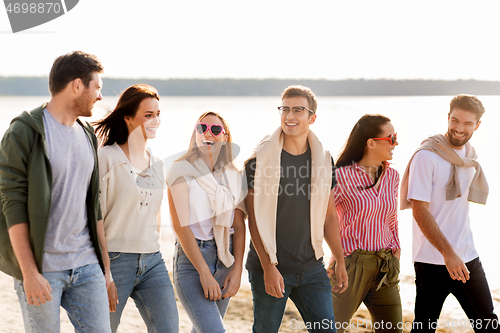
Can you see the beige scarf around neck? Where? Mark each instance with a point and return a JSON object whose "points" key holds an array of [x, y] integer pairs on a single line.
{"points": [[266, 185], [439, 144], [223, 199]]}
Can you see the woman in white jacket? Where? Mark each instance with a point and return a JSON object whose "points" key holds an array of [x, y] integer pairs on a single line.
{"points": [[132, 181]]}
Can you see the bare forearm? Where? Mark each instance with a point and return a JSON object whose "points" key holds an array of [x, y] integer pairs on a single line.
{"points": [[332, 238], [331, 230], [19, 238], [455, 265], [259, 246], [185, 235], [430, 229], [101, 235], [238, 239], [36, 287]]}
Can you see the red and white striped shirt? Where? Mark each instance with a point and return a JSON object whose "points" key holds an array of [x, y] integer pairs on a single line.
{"points": [[368, 217]]}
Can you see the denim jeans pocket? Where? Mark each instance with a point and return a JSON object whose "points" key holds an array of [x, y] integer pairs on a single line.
{"points": [[180, 250], [114, 255]]}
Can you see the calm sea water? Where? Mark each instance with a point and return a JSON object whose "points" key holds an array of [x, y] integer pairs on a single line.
{"points": [[250, 118]]}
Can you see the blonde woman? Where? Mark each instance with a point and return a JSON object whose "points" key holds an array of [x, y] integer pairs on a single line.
{"points": [[204, 188]]}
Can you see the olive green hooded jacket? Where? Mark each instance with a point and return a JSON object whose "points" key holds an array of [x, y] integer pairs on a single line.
{"points": [[26, 187]]}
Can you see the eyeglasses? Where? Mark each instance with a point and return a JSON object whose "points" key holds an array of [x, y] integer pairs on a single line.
{"points": [[391, 138], [215, 129], [297, 110]]}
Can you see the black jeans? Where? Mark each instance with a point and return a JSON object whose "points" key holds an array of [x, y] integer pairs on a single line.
{"points": [[434, 284]]}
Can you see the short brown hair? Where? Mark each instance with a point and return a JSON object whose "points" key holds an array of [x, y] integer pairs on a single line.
{"points": [[71, 66], [301, 91], [467, 103]]}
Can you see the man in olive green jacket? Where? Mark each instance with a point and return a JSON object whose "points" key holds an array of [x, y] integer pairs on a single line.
{"points": [[51, 229]]}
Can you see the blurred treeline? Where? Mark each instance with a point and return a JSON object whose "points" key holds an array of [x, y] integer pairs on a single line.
{"points": [[38, 86]]}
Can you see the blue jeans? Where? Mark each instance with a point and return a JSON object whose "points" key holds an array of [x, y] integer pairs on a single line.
{"points": [[311, 293], [206, 315], [144, 277], [434, 284], [80, 291]]}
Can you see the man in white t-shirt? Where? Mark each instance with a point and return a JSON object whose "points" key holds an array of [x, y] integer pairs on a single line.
{"points": [[442, 177]]}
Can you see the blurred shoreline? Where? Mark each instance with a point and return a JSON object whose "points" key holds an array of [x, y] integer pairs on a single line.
{"points": [[253, 117]]}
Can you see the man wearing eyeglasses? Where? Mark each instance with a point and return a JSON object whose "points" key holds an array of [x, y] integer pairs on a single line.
{"points": [[290, 211], [440, 180]]}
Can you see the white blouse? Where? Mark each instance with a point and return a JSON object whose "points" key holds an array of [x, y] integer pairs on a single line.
{"points": [[200, 211]]}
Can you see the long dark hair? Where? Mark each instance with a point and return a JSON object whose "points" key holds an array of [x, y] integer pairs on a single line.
{"points": [[369, 126], [113, 128]]}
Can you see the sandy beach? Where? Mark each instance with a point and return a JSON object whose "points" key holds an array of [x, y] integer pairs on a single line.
{"points": [[239, 317]]}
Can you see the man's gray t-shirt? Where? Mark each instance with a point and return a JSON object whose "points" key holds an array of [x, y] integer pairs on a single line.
{"points": [[67, 241]]}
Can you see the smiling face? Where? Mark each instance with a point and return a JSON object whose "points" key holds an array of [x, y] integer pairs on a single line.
{"points": [[84, 104], [461, 125], [382, 149], [292, 124], [207, 143], [146, 119]]}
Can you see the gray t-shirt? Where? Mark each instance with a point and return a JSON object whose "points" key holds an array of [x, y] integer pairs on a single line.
{"points": [[67, 242]]}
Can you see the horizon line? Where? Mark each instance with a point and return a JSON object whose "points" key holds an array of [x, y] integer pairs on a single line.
{"points": [[263, 79]]}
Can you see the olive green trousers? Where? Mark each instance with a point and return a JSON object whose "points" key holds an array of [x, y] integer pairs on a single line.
{"points": [[373, 280]]}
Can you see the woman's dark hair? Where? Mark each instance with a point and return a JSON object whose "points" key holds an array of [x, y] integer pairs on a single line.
{"points": [[113, 128], [368, 126]]}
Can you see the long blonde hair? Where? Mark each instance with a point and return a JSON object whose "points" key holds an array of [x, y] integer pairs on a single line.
{"points": [[226, 152]]}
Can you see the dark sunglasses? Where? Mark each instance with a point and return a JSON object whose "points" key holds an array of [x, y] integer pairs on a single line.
{"points": [[392, 138], [215, 129]]}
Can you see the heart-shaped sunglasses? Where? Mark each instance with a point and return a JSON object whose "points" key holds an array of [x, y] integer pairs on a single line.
{"points": [[215, 129]]}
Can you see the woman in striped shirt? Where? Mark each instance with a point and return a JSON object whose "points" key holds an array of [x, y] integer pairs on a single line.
{"points": [[366, 200]]}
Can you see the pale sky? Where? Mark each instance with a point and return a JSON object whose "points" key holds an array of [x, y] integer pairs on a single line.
{"points": [[437, 39]]}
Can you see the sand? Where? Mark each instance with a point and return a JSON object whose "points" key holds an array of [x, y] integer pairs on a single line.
{"points": [[239, 317]]}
